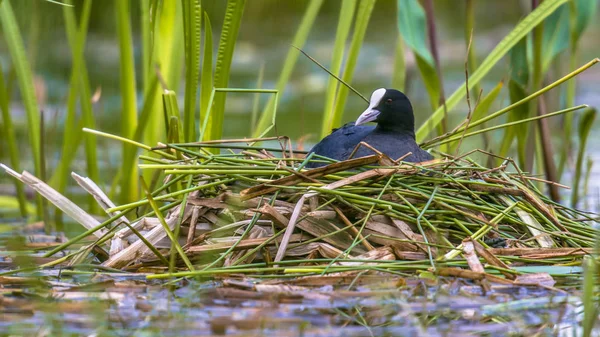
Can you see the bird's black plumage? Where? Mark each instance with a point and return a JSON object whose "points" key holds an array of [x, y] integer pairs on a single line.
{"points": [[394, 134], [340, 143]]}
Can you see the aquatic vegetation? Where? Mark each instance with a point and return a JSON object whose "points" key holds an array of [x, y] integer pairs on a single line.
{"points": [[182, 203]]}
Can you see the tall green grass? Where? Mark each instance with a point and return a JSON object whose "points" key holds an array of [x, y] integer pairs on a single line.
{"points": [[192, 18], [22, 69], [128, 116], [511, 39], [361, 22], [413, 28], [206, 79], [229, 32], [10, 138], [79, 91], [534, 45], [177, 47], [347, 10], [298, 41]]}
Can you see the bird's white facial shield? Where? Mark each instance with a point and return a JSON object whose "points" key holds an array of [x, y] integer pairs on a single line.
{"points": [[371, 113]]}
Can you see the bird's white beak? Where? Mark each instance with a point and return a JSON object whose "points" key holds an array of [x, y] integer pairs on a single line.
{"points": [[368, 115], [371, 113]]}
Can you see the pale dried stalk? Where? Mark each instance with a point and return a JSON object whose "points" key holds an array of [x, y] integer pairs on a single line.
{"points": [[57, 199]]}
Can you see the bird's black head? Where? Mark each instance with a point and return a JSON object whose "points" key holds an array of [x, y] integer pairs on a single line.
{"points": [[391, 110]]}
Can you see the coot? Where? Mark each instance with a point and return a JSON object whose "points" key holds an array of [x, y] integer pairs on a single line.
{"points": [[394, 134]]}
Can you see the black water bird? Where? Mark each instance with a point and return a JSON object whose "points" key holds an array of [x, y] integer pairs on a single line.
{"points": [[394, 134]]}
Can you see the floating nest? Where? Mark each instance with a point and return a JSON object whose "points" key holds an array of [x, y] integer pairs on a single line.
{"points": [[251, 212]]}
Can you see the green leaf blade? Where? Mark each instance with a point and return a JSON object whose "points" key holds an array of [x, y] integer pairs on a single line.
{"points": [[290, 61], [229, 33], [343, 30], [16, 49], [192, 17]]}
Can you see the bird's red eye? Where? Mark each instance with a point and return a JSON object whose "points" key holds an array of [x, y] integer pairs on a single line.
{"points": [[389, 100]]}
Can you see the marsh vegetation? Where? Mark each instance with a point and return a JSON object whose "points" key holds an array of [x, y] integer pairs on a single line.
{"points": [[154, 154]]}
